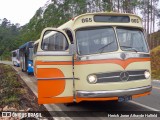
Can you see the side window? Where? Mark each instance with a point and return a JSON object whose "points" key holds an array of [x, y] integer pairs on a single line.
{"points": [[54, 41], [14, 54], [70, 36]]}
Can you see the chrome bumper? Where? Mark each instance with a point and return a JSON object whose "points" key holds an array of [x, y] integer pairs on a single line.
{"points": [[113, 93]]}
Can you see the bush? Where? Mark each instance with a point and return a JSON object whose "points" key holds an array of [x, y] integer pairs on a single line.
{"points": [[155, 62]]}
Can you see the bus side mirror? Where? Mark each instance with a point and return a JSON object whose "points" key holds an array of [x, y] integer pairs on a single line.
{"points": [[71, 49]]}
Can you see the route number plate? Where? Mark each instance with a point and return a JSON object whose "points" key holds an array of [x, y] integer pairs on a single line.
{"points": [[124, 98]]}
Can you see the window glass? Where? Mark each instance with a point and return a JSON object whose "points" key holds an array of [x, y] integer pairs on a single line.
{"points": [[132, 39], [96, 40], [54, 41], [113, 19], [14, 54], [69, 33]]}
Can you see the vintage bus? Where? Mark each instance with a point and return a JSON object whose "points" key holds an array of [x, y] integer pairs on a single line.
{"points": [[26, 57], [15, 58], [93, 57]]}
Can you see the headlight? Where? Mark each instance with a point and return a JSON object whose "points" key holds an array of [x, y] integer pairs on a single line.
{"points": [[147, 74], [92, 79], [29, 65]]}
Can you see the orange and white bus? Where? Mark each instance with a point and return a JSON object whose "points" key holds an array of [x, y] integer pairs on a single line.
{"points": [[93, 57]]}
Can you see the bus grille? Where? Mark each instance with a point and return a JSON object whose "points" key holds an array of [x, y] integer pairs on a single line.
{"points": [[120, 76]]}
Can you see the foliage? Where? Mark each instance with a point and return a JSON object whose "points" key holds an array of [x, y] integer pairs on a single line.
{"points": [[155, 64], [8, 35], [155, 39]]}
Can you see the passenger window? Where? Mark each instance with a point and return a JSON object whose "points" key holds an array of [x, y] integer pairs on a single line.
{"points": [[54, 41]]}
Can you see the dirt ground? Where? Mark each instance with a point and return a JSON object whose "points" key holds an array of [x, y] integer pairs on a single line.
{"points": [[16, 96]]}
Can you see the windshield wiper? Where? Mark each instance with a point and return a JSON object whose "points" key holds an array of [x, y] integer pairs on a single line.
{"points": [[105, 46], [130, 48]]}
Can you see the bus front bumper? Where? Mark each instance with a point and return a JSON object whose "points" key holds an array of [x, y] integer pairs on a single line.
{"points": [[114, 93]]}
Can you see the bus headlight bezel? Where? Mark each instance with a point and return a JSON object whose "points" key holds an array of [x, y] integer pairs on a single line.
{"points": [[147, 74], [92, 79]]}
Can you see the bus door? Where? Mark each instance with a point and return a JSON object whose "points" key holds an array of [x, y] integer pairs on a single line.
{"points": [[54, 68]]}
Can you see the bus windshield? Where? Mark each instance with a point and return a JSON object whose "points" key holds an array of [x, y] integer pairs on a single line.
{"points": [[131, 39], [103, 39], [96, 40]]}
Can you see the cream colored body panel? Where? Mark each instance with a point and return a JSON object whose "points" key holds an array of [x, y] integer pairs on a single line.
{"points": [[82, 71], [55, 59], [78, 23]]}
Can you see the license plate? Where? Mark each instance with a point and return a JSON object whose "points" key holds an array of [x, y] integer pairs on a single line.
{"points": [[124, 98]]}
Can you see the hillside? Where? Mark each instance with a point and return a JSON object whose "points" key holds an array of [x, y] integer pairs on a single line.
{"points": [[155, 62]]}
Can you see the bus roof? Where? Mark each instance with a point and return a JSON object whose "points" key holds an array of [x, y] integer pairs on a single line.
{"points": [[28, 45], [107, 13], [74, 23]]}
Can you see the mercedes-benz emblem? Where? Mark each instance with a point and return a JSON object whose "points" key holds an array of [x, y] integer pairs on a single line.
{"points": [[124, 76], [123, 56]]}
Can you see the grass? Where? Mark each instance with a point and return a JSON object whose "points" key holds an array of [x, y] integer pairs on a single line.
{"points": [[10, 88]]}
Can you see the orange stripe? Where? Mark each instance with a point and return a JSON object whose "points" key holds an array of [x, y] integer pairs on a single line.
{"points": [[55, 100], [123, 63], [131, 60], [140, 95], [95, 99], [53, 63]]}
